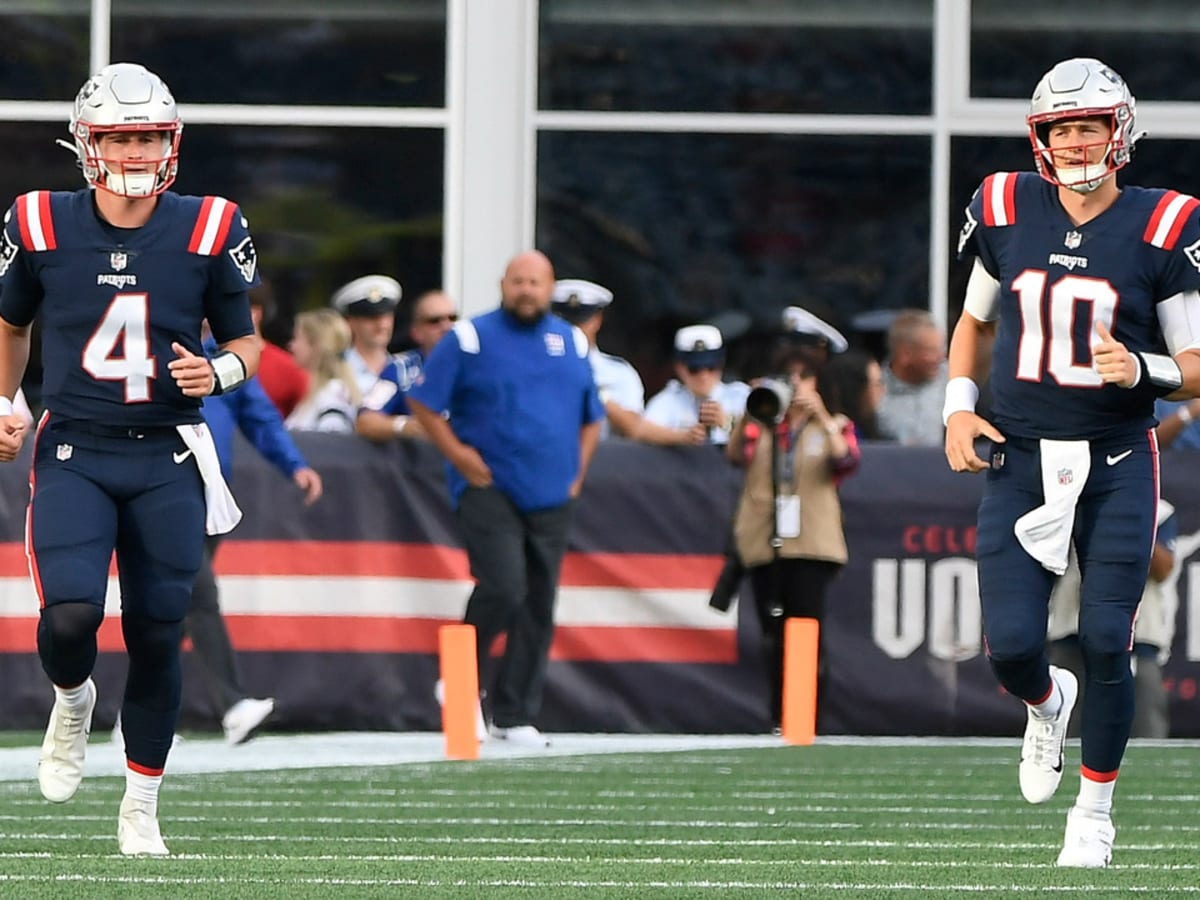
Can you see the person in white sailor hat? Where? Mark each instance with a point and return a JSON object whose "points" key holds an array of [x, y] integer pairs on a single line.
{"points": [[697, 396], [369, 305], [818, 338], [582, 303]]}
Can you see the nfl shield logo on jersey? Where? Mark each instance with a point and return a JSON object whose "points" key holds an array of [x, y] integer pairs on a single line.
{"points": [[64, 451], [118, 260], [1065, 476], [1073, 239]]}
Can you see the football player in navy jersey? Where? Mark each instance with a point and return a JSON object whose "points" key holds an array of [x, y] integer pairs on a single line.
{"points": [[1089, 292], [122, 273]]}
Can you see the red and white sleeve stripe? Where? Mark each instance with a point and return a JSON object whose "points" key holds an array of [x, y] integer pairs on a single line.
{"points": [[1000, 199], [1167, 221], [35, 221], [212, 226]]}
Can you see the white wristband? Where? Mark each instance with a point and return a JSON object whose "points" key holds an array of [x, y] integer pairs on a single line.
{"points": [[228, 371], [961, 396], [399, 423], [6, 407]]}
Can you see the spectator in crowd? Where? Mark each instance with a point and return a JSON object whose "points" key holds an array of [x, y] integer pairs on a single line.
{"points": [[523, 422], [319, 344], [852, 383], [697, 395], [1153, 632], [123, 463], [914, 381], [369, 305], [582, 303], [788, 524], [815, 339], [385, 414], [1077, 361], [1177, 424], [283, 379]]}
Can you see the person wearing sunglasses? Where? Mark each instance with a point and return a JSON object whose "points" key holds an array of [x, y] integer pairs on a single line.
{"points": [[384, 414], [697, 396]]}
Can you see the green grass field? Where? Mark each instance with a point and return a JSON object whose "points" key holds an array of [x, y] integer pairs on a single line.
{"points": [[864, 819]]}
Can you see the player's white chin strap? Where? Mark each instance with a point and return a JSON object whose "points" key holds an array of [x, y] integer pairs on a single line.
{"points": [[139, 184]]}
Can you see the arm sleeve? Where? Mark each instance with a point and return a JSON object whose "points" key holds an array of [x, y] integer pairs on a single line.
{"points": [[262, 425], [435, 386]]}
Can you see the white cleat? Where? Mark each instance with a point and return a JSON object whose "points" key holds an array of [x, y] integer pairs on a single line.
{"points": [[137, 829], [525, 736], [60, 765], [1041, 767], [1088, 842], [481, 728], [245, 717]]}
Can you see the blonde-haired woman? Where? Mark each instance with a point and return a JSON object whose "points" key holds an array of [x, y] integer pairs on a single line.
{"points": [[319, 342]]}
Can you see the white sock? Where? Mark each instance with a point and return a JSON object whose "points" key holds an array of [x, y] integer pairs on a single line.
{"points": [[1049, 707], [141, 787], [1095, 796], [72, 698]]}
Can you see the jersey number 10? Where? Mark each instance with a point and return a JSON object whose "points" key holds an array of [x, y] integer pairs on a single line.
{"points": [[1052, 336]]}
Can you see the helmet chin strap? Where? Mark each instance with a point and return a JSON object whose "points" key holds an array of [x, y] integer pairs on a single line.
{"points": [[132, 185], [1075, 178]]}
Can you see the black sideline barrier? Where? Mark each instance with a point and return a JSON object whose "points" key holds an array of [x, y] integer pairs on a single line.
{"points": [[334, 609]]}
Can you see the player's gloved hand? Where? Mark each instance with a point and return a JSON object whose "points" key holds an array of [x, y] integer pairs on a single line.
{"points": [[1112, 360], [12, 436], [961, 430], [194, 374]]}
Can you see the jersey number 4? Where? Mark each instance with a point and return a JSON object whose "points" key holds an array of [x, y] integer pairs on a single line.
{"points": [[119, 349], [1051, 336]]}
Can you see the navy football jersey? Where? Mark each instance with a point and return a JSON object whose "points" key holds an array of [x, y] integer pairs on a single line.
{"points": [[1057, 280], [112, 300]]}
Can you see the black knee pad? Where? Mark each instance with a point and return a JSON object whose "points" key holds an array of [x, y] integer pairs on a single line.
{"points": [[66, 624]]}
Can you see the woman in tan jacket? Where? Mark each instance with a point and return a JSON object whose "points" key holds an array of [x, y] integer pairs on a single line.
{"points": [[788, 524]]}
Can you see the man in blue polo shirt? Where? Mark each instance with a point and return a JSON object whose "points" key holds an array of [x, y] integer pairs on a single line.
{"points": [[522, 421]]}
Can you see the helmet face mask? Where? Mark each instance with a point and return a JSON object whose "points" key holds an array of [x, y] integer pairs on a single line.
{"points": [[125, 98], [1075, 90]]}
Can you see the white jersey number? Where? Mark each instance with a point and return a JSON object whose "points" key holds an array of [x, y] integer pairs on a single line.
{"points": [[124, 330], [1050, 336]]}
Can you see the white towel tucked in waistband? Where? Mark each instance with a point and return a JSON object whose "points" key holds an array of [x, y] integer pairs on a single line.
{"points": [[223, 512], [1045, 532]]}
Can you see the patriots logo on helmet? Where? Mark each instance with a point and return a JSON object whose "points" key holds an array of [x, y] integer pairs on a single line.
{"points": [[245, 257]]}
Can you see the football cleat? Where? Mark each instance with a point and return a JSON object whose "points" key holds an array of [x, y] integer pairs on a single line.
{"points": [[244, 718], [525, 736], [60, 765], [1088, 842], [1041, 767], [137, 829]]}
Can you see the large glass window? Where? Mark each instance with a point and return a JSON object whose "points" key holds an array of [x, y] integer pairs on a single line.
{"points": [[1151, 44], [367, 53], [326, 205], [45, 49], [686, 227], [777, 56]]}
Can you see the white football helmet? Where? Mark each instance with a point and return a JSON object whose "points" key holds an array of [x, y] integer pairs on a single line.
{"points": [[1077, 89], [125, 97]]}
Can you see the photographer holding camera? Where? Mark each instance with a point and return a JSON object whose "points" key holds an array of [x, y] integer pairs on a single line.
{"points": [[788, 524]]}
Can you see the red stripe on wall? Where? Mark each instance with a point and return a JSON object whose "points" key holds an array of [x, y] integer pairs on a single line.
{"points": [[380, 559], [382, 634]]}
